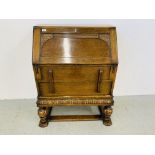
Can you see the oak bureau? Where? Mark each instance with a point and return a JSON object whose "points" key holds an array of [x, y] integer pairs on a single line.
{"points": [[74, 66]]}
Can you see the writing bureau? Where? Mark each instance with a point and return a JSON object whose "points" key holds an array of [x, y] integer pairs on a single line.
{"points": [[74, 66]]}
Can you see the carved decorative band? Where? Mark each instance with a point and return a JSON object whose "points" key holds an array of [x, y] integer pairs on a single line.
{"points": [[54, 102]]}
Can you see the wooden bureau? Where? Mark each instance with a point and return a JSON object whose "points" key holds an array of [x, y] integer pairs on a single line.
{"points": [[74, 66]]}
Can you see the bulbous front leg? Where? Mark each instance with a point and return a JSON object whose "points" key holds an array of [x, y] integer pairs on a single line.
{"points": [[43, 114], [107, 113]]}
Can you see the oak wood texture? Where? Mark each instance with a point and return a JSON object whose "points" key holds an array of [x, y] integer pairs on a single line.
{"points": [[74, 66]]}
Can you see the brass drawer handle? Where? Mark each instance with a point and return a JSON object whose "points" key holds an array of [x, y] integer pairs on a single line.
{"points": [[100, 73], [51, 81]]}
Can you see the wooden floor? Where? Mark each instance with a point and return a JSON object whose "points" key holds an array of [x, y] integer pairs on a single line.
{"points": [[132, 115]]}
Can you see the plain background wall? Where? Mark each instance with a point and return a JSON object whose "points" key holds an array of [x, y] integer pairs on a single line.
{"points": [[136, 49]]}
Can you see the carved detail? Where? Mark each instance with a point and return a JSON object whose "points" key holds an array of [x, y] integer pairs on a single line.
{"points": [[45, 38], [107, 113], [106, 38], [54, 102], [43, 114]]}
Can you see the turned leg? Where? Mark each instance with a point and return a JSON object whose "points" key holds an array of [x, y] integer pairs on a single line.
{"points": [[43, 113], [107, 113]]}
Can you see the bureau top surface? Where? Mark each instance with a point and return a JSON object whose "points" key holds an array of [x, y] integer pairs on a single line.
{"points": [[74, 45]]}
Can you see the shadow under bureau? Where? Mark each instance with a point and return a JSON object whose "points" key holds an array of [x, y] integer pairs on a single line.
{"points": [[74, 66]]}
